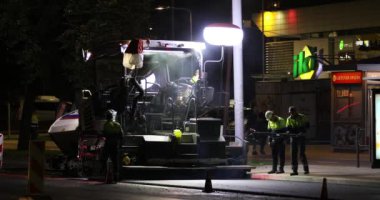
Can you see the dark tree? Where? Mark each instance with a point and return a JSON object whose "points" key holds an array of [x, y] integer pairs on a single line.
{"points": [[43, 42]]}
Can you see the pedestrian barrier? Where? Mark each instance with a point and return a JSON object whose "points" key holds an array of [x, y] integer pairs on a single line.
{"points": [[36, 167], [360, 132], [1, 149]]}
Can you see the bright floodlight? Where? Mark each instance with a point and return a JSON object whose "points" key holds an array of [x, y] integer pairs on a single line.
{"points": [[223, 34]]}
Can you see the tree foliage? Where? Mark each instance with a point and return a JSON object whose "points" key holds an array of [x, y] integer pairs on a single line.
{"points": [[92, 24], [43, 42]]}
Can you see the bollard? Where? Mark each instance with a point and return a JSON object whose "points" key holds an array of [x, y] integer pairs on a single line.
{"points": [[1, 149], [208, 184], [36, 167], [357, 147], [324, 193]]}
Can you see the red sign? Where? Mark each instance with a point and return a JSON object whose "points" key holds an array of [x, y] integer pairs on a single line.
{"points": [[347, 77]]}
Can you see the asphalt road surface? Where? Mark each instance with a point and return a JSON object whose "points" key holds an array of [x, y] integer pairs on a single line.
{"points": [[12, 187]]}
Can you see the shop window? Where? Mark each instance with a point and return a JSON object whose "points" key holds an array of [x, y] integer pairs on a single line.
{"points": [[348, 104]]}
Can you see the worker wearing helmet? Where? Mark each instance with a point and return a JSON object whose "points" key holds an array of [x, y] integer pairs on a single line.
{"points": [[276, 125], [113, 133], [297, 125], [195, 77]]}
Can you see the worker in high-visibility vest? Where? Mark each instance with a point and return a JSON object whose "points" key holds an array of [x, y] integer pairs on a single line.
{"points": [[34, 126], [195, 77], [297, 125], [113, 133], [276, 125]]}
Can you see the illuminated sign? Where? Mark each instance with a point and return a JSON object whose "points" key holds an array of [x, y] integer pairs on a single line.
{"points": [[375, 142], [377, 125], [341, 45], [347, 77], [306, 65]]}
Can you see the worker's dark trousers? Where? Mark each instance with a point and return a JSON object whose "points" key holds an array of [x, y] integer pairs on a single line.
{"points": [[298, 145], [112, 152], [136, 98], [278, 151], [33, 131]]}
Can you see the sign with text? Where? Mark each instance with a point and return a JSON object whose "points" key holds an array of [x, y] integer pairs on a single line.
{"points": [[347, 77], [306, 65]]}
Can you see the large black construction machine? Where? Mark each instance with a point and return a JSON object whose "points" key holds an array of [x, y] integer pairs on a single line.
{"points": [[173, 124]]}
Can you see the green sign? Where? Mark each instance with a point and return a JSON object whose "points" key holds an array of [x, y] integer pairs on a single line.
{"points": [[305, 63], [341, 45]]}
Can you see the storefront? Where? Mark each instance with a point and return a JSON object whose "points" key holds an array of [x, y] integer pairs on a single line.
{"points": [[347, 106], [372, 110]]}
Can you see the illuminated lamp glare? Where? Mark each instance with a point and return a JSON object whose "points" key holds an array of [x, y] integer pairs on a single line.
{"points": [[86, 54], [366, 43], [359, 43], [223, 34], [148, 81], [123, 47]]}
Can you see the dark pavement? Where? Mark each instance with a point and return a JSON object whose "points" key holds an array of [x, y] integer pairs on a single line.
{"points": [[339, 168]]}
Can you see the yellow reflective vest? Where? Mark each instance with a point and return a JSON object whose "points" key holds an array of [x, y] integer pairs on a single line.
{"points": [[277, 125], [112, 128], [297, 123]]}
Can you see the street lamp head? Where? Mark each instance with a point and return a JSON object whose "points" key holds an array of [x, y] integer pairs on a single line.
{"points": [[162, 8], [224, 34]]}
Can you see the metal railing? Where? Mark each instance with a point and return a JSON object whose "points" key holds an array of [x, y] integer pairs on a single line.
{"points": [[359, 133]]}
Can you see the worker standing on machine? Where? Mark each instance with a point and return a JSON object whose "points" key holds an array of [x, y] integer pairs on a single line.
{"points": [[132, 61]]}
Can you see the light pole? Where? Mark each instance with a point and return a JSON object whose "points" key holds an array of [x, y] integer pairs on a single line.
{"points": [[225, 34], [238, 72], [263, 39], [181, 9]]}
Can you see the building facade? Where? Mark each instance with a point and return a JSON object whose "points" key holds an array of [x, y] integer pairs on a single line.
{"points": [[324, 60]]}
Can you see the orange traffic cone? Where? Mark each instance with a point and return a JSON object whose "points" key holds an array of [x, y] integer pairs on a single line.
{"points": [[324, 194], [208, 184]]}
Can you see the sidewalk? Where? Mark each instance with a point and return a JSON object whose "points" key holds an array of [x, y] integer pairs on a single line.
{"points": [[343, 179], [336, 167]]}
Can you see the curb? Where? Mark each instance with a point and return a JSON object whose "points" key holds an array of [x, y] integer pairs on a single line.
{"points": [[216, 189], [317, 179]]}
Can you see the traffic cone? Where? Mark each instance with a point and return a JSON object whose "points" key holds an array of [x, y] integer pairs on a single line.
{"points": [[324, 194], [208, 184], [109, 173]]}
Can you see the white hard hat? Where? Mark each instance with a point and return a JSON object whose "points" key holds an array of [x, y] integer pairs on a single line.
{"points": [[268, 114], [111, 114]]}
